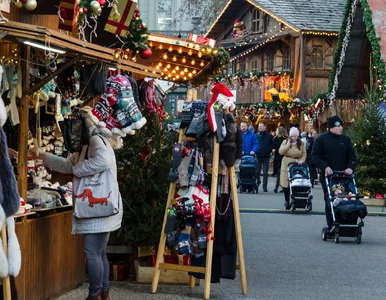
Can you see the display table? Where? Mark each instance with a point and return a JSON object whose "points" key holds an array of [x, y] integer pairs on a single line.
{"points": [[53, 262]]}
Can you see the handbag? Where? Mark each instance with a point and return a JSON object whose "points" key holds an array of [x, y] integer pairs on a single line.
{"points": [[75, 133], [96, 195]]}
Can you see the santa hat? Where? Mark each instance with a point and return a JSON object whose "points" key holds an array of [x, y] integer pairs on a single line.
{"points": [[222, 95]]}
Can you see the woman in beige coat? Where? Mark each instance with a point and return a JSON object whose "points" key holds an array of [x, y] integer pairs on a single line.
{"points": [[293, 150]]}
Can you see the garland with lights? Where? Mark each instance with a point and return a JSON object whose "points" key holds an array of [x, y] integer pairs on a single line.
{"points": [[343, 42]]}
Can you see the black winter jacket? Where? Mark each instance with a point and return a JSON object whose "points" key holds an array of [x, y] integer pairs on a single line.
{"points": [[265, 144], [334, 151]]}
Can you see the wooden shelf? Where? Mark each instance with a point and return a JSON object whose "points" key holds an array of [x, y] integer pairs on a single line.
{"points": [[50, 208]]}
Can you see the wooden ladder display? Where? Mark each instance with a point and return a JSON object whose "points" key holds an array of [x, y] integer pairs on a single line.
{"points": [[207, 270], [6, 280]]}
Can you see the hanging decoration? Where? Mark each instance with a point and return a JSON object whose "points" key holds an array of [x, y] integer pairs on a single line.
{"points": [[27, 4], [119, 19], [239, 30]]}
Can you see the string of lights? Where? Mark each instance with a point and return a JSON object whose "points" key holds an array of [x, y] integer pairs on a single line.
{"points": [[246, 52]]}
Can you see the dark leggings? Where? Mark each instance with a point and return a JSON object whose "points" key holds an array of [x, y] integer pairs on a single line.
{"points": [[97, 264], [286, 195]]}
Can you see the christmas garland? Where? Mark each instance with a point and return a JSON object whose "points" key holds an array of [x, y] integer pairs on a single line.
{"points": [[248, 75], [377, 61]]}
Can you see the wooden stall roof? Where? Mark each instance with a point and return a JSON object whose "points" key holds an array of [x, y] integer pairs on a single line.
{"points": [[22, 32], [176, 58]]}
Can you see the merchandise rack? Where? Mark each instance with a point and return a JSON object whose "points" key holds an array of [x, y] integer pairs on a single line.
{"points": [[207, 270]]}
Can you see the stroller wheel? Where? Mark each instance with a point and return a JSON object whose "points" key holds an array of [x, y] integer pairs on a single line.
{"points": [[336, 238], [358, 238], [308, 207], [324, 233]]}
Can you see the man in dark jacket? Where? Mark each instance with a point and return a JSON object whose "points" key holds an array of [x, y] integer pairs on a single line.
{"points": [[249, 140], [333, 151], [264, 140]]}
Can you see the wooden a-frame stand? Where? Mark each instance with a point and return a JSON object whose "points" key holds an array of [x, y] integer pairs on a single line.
{"points": [[207, 270], [6, 280]]}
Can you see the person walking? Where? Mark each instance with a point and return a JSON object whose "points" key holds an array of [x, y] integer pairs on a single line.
{"points": [[293, 150], [251, 128], [280, 136], [333, 151], [310, 163], [250, 145], [263, 154], [96, 231]]}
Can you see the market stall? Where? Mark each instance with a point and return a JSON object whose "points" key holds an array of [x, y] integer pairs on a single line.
{"points": [[51, 75]]}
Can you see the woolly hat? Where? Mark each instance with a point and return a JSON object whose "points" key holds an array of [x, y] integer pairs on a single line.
{"points": [[294, 131], [333, 122], [304, 134], [222, 95]]}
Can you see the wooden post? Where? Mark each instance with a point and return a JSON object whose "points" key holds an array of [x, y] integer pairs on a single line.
{"points": [[213, 198], [6, 281], [239, 238]]}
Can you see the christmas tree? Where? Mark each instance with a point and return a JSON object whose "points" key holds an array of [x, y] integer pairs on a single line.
{"points": [[143, 166], [368, 135]]}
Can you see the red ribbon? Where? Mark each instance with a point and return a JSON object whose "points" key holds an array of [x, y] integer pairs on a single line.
{"points": [[121, 25]]}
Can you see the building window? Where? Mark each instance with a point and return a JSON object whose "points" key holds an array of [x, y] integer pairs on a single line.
{"points": [[286, 59], [257, 21], [270, 61], [164, 12], [255, 66], [317, 58]]}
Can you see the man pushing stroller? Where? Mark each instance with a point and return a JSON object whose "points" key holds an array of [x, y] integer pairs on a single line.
{"points": [[333, 151]]}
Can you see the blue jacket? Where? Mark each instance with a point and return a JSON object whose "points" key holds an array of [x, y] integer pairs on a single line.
{"points": [[249, 142], [265, 144]]}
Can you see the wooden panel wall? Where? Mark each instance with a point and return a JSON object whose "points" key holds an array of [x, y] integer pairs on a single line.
{"points": [[314, 86], [52, 259]]}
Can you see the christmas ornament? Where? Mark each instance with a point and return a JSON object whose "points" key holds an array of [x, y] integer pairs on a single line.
{"points": [[69, 14], [102, 2], [145, 54], [239, 30], [99, 11], [94, 6], [30, 5], [23, 1], [17, 3], [120, 18]]}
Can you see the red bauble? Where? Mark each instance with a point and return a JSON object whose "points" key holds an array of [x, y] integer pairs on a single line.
{"points": [[84, 9], [23, 1], [136, 9], [145, 54], [102, 2]]}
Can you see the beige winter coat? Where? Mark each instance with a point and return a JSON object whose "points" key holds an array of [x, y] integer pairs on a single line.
{"points": [[291, 154]]}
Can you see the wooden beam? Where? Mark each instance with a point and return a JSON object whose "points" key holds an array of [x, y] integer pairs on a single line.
{"points": [[45, 80], [328, 40], [3, 34]]}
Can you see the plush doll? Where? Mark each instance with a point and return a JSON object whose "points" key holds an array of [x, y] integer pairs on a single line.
{"points": [[223, 96], [48, 91], [9, 205], [231, 147]]}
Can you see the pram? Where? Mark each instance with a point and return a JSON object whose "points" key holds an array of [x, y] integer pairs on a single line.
{"points": [[247, 174], [345, 214], [299, 184]]}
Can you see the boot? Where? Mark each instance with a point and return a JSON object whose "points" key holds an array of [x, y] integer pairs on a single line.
{"points": [[98, 297], [105, 295], [286, 198]]}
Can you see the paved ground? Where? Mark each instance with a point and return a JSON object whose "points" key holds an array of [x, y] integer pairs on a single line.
{"points": [[286, 259]]}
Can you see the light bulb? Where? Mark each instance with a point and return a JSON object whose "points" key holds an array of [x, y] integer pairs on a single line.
{"points": [[186, 70], [193, 62], [175, 58], [177, 77], [194, 72], [190, 75], [170, 49], [165, 56], [160, 47], [160, 64], [180, 50], [169, 75], [202, 64], [166, 69], [168, 66], [185, 78], [190, 52], [177, 68], [199, 54], [182, 73], [183, 60], [174, 71]]}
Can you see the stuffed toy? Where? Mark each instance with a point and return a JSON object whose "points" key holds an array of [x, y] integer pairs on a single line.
{"points": [[9, 205], [48, 91], [231, 147], [223, 96]]}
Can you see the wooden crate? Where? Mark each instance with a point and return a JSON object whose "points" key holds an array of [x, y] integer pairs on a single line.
{"points": [[145, 275]]}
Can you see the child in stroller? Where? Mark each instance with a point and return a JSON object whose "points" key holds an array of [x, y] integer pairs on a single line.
{"points": [[346, 208], [299, 184], [247, 174]]}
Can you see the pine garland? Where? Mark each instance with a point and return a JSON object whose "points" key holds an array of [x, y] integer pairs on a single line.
{"points": [[136, 38]]}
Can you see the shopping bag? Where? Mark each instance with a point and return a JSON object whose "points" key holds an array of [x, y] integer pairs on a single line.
{"points": [[96, 195]]}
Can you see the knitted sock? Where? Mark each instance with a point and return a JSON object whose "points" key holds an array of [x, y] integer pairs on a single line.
{"points": [[127, 102]]}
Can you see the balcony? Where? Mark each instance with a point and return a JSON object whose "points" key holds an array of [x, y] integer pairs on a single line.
{"points": [[177, 33]]}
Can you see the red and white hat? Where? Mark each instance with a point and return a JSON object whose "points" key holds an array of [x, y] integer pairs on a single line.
{"points": [[222, 95]]}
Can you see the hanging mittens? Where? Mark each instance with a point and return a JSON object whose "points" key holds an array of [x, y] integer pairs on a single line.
{"points": [[101, 112]]}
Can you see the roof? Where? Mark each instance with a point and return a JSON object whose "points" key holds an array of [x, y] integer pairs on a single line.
{"points": [[299, 15], [318, 15]]}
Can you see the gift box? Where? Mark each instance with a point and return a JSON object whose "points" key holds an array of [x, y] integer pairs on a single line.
{"points": [[173, 259], [119, 271], [201, 40], [120, 18], [69, 14]]}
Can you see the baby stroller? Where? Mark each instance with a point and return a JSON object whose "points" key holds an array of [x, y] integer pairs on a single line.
{"points": [[247, 174], [299, 184], [346, 208]]}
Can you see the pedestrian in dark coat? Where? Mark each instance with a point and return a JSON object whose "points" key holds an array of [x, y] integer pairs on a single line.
{"points": [[263, 154], [333, 151], [281, 135]]}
